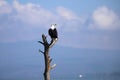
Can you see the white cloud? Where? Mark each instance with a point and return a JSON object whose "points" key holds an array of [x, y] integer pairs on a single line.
{"points": [[105, 18], [70, 20], [25, 19], [66, 13], [4, 7], [38, 16], [32, 14]]}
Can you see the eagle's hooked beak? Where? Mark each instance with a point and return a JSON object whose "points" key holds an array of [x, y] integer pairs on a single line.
{"points": [[55, 24]]}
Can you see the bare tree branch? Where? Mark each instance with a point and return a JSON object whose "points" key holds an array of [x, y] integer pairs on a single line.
{"points": [[41, 42], [53, 66], [41, 51], [50, 60], [53, 41]]}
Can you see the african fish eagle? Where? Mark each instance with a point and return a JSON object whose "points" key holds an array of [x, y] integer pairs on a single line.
{"points": [[53, 31], [53, 34]]}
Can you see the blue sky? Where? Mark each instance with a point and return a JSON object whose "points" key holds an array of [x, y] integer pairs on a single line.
{"points": [[81, 24], [88, 30]]}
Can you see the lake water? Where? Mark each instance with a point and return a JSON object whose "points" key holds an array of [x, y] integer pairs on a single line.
{"points": [[23, 64], [89, 78], [34, 73]]}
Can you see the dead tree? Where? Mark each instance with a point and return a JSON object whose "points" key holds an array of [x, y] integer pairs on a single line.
{"points": [[47, 58]]}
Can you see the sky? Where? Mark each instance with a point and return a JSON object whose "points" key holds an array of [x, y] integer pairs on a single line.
{"points": [[84, 26], [81, 24]]}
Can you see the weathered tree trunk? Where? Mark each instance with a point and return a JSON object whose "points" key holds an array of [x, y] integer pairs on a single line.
{"points": [[46, 58], [47, 64]]}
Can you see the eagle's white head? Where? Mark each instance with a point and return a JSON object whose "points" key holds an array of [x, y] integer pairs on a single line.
{"points": [[53, 26]]}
